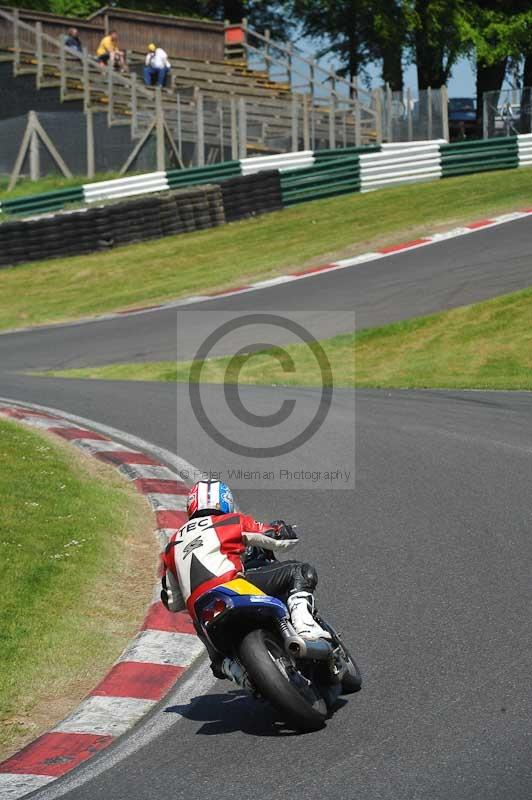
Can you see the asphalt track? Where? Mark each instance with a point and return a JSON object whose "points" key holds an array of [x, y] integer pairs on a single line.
{"points": [[425, 567]]}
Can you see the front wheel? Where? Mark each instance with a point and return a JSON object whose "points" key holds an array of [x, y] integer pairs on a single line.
{"points": [[277, 679]]}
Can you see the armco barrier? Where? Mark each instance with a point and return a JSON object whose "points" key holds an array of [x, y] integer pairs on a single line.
{"points": [[325, 179], [524, 144], [325, 155], [282, 162], [395, 166], [465, 158], [44, 202], [456, 159], [125, 187], [178, 178]]}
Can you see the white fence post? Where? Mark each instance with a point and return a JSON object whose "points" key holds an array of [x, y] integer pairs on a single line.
{"points": [[242, 128]]}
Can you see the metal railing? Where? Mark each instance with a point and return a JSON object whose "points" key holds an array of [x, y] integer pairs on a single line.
{"points": [[507, 113]]}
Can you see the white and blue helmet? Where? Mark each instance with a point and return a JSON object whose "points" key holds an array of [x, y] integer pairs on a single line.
{"points": [[210, 497]]}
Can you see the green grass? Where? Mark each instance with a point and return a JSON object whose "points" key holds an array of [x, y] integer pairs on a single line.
{"points": [[483, 346], [64, 615], [274, 243], [26, 187]]}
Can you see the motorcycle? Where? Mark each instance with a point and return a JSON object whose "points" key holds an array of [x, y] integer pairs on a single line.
{"points": [[302, 679]]}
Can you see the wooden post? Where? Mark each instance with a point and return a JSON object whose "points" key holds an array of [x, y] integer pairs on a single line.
{"points": [[289, 66], [295, 139], [306, 136], [429, 112], [16, 41], [234, 129], [242, 128], [221, 124], [200, 128], [110, 94], [312, 77], [34, 129], [409, 115], [62, 72], [445, 112], [244, 24], [179, 125], [134, 105], [344, 127], [358, 127], [86, 77], [90, 143], [39, 54], [159, 130], [389, 113], [21, 155], [378, 115], [267, 59], [35, 164], [485, 123], [332, 121]]}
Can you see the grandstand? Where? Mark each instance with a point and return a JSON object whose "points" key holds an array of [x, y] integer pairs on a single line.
{"points": [[233, 92]]}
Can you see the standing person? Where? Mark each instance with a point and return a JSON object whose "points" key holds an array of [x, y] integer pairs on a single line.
{"points": [[150, 75], [72, 40], [160, 65]]}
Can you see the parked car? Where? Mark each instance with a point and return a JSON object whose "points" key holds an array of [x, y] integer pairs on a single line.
{"points": [[462, 117]]}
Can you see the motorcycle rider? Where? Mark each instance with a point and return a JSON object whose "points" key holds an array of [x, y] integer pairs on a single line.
{"points": [[216, 546]]}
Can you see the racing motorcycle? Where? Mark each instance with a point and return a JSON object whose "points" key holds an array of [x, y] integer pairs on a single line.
{"points": [[302, 679]]}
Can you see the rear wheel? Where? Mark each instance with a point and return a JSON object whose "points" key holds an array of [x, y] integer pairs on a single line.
{"points": [[277, 679]]}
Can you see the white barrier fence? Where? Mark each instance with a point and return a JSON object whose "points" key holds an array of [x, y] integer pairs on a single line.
{"points": [[282, 162], [396, 164], [126, 187], [524, 143]]}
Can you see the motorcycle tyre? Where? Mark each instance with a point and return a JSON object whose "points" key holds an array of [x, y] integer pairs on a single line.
{"points": [[352, 679], [266, 676]]}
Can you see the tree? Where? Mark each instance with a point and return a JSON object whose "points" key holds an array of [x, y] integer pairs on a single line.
{"points": [[388, 38], [343, 28], [500, 31], [436, 38]]}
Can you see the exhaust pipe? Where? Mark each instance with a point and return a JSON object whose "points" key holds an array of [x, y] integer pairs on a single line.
{"points": [[297, 647], [319, 650]]}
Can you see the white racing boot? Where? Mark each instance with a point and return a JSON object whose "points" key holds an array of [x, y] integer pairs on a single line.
{"points": [[235, 673], [299, 606]]}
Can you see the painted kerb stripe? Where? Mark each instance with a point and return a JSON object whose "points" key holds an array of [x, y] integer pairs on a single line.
{"points": [[159, 654]]}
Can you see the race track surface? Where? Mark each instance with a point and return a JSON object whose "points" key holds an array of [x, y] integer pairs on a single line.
{"points": [[445, 275], [425, 567]]}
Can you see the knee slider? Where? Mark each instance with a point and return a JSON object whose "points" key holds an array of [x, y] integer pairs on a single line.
{"points": [[308, 579]]}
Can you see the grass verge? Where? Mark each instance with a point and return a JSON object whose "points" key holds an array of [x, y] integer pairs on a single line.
{"points": [[68, 540], [70, 288], [483, 346], [27, 187]]}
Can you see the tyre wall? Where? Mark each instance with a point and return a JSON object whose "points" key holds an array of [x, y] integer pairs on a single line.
{"points": [[249, 195], [103, 227]]}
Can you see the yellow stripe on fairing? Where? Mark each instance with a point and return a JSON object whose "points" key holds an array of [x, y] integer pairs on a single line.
{"points": [[241, 586]]}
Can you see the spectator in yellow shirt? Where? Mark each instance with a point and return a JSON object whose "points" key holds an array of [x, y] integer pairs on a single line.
{"points": [[109, 53]]}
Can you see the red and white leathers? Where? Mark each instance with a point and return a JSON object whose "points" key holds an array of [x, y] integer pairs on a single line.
{"points": [[207, 551]]}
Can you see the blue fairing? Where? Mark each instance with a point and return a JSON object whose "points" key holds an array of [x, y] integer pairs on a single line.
{"points": [[272, 605]]}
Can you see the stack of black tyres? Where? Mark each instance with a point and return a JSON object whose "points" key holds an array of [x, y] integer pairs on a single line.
{"points": [[87, 230], [249, 195], [199, 208]]}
